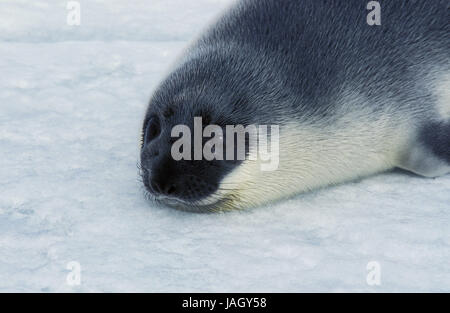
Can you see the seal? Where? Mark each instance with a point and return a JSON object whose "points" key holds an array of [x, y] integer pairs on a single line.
{"points": [[350, 99]]}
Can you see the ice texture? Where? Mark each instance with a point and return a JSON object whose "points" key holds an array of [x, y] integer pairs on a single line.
{"points": [[72, 100]]}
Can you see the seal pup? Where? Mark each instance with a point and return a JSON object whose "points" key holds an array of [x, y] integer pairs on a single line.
{"points": [[350, 99]]}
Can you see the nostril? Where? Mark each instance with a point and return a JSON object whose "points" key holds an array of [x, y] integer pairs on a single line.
{"points": [[170, 190]]}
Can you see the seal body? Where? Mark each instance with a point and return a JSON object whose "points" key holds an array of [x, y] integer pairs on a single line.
{"points": [[351, 99]]}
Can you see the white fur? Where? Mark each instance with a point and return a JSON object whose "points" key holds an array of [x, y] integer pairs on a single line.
{"points": [[354, 144]]}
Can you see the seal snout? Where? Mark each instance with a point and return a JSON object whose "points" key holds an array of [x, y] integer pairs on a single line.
{"points": [[187, 182]]}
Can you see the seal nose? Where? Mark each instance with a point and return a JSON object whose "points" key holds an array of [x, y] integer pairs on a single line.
{"points": [[162, 186]]}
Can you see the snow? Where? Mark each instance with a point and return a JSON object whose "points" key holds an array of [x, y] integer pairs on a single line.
{"points": [[72, 100]]}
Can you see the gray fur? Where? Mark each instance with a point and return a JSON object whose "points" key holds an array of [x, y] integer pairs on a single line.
{"points": [[317, 63]]}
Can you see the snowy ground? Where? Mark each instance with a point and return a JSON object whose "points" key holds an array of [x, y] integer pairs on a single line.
{"points": [[71, 104]]}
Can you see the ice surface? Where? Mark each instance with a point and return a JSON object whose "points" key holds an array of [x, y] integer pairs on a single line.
{"points": [[71, 104]]}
